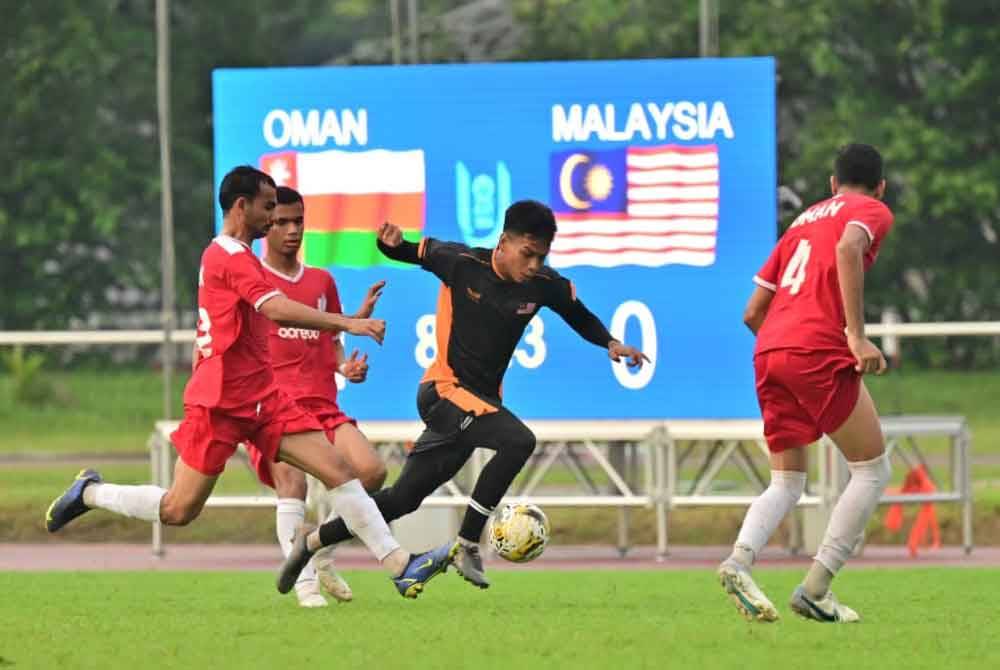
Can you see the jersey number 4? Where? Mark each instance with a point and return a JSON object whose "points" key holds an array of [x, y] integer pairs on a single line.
{"points": [[795, 273]]}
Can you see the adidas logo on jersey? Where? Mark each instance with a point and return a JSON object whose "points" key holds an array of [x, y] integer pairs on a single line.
{"points": [[298, 334]]}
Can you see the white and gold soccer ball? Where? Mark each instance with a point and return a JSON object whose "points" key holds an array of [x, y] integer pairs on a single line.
{"points": [[519, 532]]}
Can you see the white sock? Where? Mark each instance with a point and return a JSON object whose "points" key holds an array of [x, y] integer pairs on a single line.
{"points": [[291, 513], [363, 519], [766, 512], [138, 502], [853, 510]]}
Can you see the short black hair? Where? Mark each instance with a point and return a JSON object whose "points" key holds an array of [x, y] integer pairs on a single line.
{"points": [[530, 217], [858, 165], [242, 182], [288, 196]]}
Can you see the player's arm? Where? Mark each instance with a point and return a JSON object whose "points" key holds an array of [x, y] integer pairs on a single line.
{"points": [[243, 277], [432, 255], [851, 275], [757, 306], [353, 369], [371, 299], [589, 327], [288, 312]]}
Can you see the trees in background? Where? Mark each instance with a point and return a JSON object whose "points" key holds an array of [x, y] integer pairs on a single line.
{"points": [[79, 205]]}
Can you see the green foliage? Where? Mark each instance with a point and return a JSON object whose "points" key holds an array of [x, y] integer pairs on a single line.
{"points": [[28, 384]]}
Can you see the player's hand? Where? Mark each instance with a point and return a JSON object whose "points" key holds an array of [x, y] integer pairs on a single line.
{"points": [[633, 357], [354, 369], [390, 234], [373, 328], [867, 356], [371, 298]]}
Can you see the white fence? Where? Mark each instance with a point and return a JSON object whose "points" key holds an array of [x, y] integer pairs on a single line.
{"points": [[663, 447]]}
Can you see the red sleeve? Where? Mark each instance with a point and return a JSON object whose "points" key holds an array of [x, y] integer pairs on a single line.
{"points": [[875, 219], [333, 305], [245, 277], [767, 276]]}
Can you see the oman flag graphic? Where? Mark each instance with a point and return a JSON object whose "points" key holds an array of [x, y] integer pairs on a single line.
{"points": [[347, 195]]}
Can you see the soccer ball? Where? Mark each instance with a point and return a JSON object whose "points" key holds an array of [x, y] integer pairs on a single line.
{"points": [[519, 532]]}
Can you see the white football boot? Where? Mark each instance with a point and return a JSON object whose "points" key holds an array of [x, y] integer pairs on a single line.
{"points": [[309, 595], [745, 594], [827, 609], [331, 580]]}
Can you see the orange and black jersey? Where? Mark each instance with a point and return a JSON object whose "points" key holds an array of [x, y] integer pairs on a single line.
{"points": [[481, 317]]}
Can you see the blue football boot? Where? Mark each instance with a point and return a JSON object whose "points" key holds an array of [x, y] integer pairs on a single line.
{"points": [[421, 569], [70, 505]]}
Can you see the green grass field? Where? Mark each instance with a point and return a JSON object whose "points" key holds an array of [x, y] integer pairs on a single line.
{"points": [[913, 619]]}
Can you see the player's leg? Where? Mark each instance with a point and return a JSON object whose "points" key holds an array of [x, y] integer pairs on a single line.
{"points": [[513, 443], [423, 473], [860, 439], [787, 430], [201, 441], [313, 453], [290, 515], [360, 455], [365, 462]]}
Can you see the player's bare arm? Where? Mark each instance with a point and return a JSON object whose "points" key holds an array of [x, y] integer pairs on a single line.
{"points": [[291, 313], [756, 309], [367, 306], [851, 275]]}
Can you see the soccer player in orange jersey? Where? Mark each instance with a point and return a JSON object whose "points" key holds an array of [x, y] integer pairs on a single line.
{"points": [[808, 315], [486, 300]]}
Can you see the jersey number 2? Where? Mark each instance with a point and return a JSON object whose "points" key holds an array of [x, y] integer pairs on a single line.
{"points": [[795, 273], [203, 337]]}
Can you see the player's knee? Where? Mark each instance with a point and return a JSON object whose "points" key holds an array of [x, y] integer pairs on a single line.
{"points": [[178, 514], [790, 483], [291, 488], [372, 476], [523, 444], [878, 470]]}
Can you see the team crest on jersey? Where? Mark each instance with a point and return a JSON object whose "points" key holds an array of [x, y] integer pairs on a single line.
{"points": [[526, 308], [321, 303], [474, 296]]}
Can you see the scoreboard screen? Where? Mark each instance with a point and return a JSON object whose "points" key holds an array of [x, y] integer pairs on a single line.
{"points": [[661, 174]]}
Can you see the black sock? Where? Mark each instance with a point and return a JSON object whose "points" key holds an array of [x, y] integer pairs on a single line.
{"points": [[473, 523], [334, 531]]}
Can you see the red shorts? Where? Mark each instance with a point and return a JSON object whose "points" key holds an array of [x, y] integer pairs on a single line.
{"points": [[326, 413], [804, 395], [208, 437]]}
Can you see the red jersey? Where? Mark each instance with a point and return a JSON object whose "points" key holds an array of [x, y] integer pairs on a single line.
{"points": [[233, 366], [807, 311], [304, 360]]}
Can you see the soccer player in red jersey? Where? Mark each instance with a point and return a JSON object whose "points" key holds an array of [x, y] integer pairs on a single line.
{"points": [[808, 315], [305, 362], [232, 397], [486, 300]]}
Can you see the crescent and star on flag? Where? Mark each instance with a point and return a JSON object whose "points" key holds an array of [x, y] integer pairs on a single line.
{"points": [[597, 181]]}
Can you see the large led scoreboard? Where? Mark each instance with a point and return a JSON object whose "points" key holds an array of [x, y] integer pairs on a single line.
{"points": [[661, 174]]}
